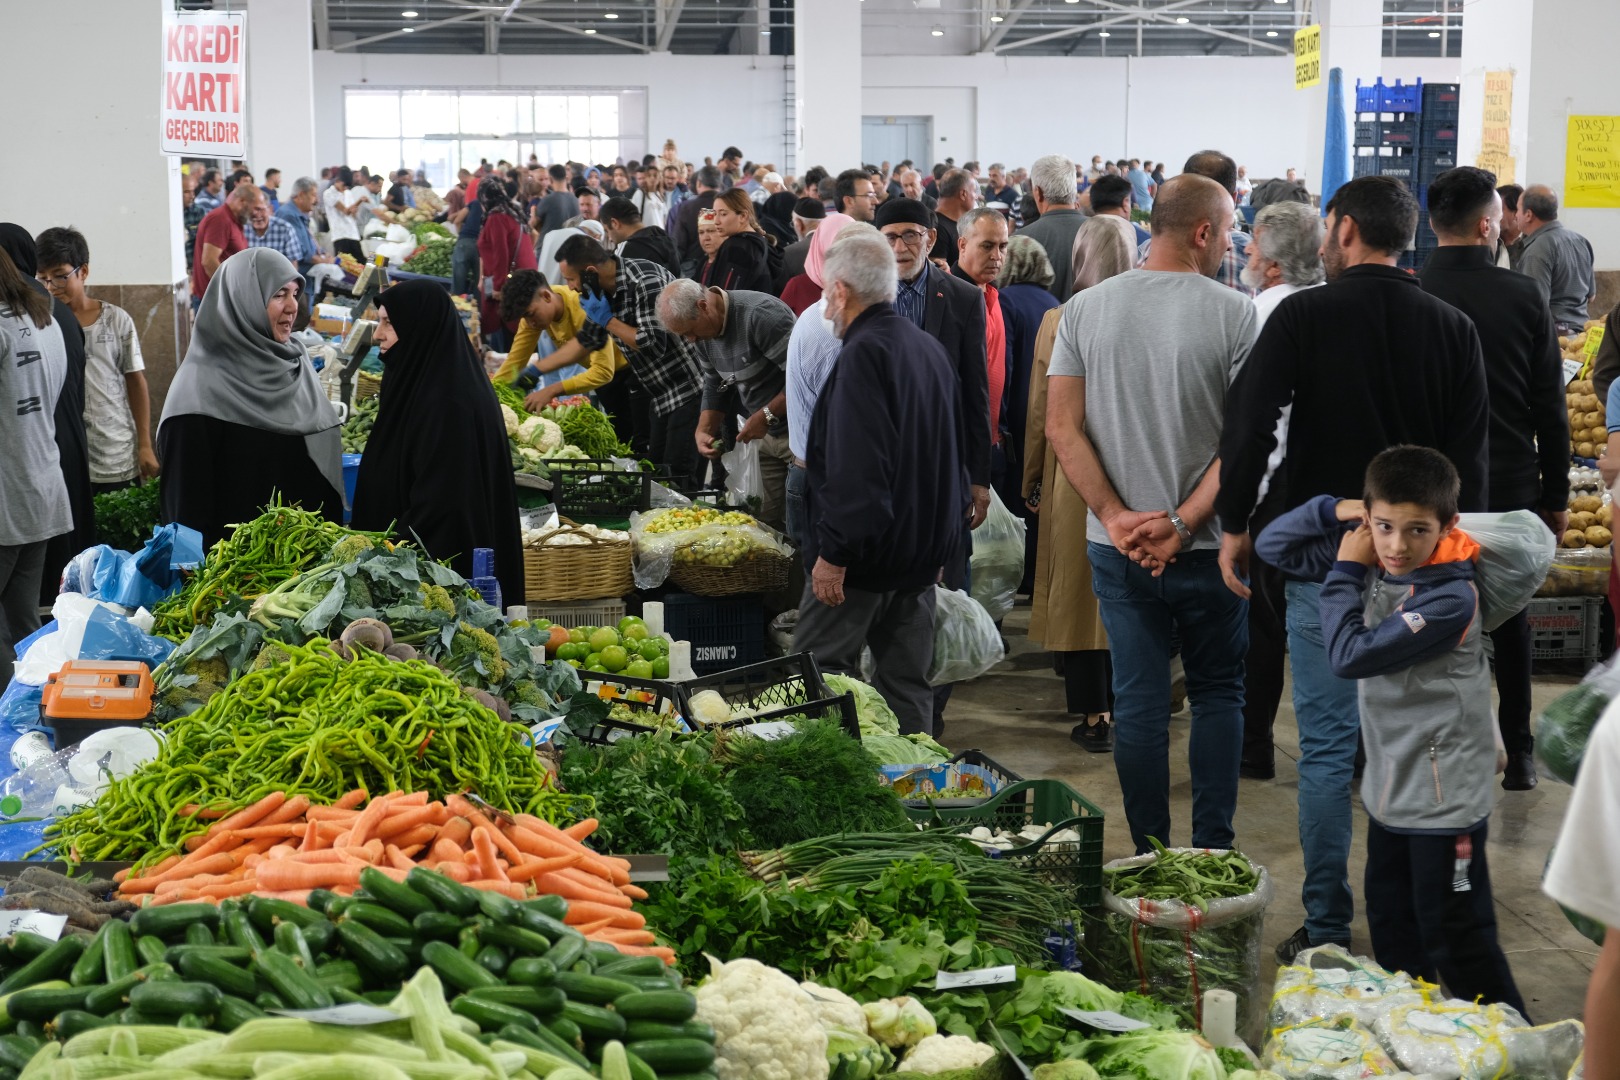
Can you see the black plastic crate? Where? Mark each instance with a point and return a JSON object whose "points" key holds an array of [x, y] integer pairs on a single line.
{"points": [[1442, 97], [840, 709], [594, 491], [1401, 134], [1366, 164], [650, 696], [785, 681], [724, 632], [1437, 132]]}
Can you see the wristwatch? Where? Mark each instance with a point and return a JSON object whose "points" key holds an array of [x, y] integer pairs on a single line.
{"points": [[770, 417], [1181, 527]]}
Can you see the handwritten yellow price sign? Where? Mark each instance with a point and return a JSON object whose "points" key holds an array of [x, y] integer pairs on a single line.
{"points": [[1592, 163]]}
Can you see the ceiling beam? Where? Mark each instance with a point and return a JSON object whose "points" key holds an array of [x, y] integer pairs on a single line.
{"points": [[669, 13], [492, 36], [466, 16], [993, 38], [535, 20], [1155, 16], [323, 25], [513, 6], [1131, 14]]}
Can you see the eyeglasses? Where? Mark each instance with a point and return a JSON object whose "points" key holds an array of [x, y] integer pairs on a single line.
{"points": [[911, 238], [58, 280]]}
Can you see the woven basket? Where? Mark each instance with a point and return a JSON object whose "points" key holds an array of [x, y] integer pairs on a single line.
{"points": [[366, 385], [764, 572], [559, 572]]}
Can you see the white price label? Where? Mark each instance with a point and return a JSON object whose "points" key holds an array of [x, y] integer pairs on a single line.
{"points": [[35, 922], [1572, 368], [990, 976], [1104, 1019], [771, 729], [349, 1014]]}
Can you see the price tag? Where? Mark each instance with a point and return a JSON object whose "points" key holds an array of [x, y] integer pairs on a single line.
{"points": [[1103, 1019], [1572, 369], [990, 976], [771, 729], [35, 922], [1594, 340], [349, 1014]]}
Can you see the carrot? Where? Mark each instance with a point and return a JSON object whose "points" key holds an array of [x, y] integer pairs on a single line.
{"points": [[505, 888], [221, 891], [616, 936], [210, 864], [398, 801], [455, 871], [292, 874], [150, 871], [331, 813], [609, 893], [413, 851], [444, 851], [250, 815], [573, 892], [663, 952], [366, 824], [525, 871], [350, 800], [532, 843], [484, 849], [584, 912], [258, 832], [324, 855], [479, 819], [397, 858], [421, 835], [280, 851], [591, 928], [405, 820], [287, 811], [581, 829], [635, 892], [312, 837], [297, 896]]}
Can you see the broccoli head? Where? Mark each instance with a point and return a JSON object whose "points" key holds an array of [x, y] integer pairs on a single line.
{"points": [[528, 692], [436, 598], [478, 649], [196, 682], [351, 547], [269, 655], [357, 592]]}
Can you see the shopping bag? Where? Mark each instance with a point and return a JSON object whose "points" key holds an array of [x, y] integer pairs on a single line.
{"points": [[966, 641], [745, 484], [997, 562], [1515, 552]]}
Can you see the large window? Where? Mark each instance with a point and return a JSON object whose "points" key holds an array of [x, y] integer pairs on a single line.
{"points": [[441, 131]]}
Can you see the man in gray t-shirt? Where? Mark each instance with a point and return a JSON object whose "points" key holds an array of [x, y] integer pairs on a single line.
{"points": [[1139, 376]]}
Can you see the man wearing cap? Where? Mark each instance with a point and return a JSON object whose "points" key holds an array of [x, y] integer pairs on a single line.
{"points": [[769, 184], [807, 215]]}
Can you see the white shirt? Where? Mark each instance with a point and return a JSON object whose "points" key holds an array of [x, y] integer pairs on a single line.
{"points": [[112, 350], [1584, 874], [654, 211], [341, 226], [1264, 304], [812, 350]]}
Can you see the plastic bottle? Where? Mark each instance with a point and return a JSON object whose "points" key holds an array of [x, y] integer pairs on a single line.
{"points": [[44, 789], [1220, 1022]]}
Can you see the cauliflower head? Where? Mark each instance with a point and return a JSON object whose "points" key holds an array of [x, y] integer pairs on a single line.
{"points": [[834, 1008], [528, 430], [708, 707], [764, 1027], [942, 1053], [510, 419], [547, 436], [899, 1022]]}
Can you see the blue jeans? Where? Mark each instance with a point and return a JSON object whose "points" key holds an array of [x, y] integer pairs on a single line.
{"points": [[1140, 613], [1329, 722]]}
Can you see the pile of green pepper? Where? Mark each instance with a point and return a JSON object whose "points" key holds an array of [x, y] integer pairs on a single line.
{"points": [[1192, 877], [314, 725]]}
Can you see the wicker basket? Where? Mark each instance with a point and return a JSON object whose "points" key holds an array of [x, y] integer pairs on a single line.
{"points": [[366, 385], [587, 571], [765, 571]]}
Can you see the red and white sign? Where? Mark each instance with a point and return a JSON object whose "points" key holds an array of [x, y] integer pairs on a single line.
{"points": [[204, 110]]}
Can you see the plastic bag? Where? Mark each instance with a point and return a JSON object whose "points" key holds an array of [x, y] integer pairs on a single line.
{"points": [[966, 641], [136, 579], [1565, 724], [745, 484], [1579, 572], [1459, 1040], [997, 564], [714, 538], [1327, 983], [1338, 1049], [1176, 951], [1515, 553]]}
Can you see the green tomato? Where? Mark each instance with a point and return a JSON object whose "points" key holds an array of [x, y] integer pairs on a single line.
{"points": [[598, 668], [593, 659], [629, 621], [602, 638], [577, 634], [636, 632], [660, 668], [639, 669], [614, 657], [571, 662], [570, 651], [649, 650]]}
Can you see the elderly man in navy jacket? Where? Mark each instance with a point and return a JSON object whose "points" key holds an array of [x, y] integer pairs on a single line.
{"points": [[888, 490]]}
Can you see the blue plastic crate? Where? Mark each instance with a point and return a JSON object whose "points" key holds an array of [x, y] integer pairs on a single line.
{"points": [[1379, 98]]}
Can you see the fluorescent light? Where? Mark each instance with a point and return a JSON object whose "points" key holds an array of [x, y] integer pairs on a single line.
{"points": [[1271, 33], [408, 14], [995, 18], [1434, 33], [1182, 20], [408, 30], [767, 33], [590, 30], [611, 15], [937, 32], [1104, 33]]}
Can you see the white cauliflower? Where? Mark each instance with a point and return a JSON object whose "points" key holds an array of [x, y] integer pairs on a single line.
{"points": [[547, 437], [708, 707], [510, 419], [764, 1027], [898, 1022], [529, 453], [834, 1008], [528, 431], [942, 1053]]}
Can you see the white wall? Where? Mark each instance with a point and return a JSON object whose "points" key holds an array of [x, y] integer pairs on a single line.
{"points": [[1409, 69], [280, 121]]}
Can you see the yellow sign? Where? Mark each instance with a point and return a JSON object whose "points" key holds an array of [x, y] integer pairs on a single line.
{"points": [[1592, 162], [1495, 146], [1307, 57], [1594, 340]]}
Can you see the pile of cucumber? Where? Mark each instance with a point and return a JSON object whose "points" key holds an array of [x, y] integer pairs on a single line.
{"points": [[518, 971]]}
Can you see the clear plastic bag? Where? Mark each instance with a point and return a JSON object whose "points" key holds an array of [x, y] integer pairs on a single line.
{"points": [[1459, 1040], [1327, 983], [745, 483], [997, 563], [966, 641], [1564, 725], [1515, 553], [1176, 951], [715, 538], [1579, 572], [1337, 1049]]}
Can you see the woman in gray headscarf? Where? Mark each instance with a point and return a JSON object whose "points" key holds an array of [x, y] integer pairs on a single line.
{"points": [[246, 419]]}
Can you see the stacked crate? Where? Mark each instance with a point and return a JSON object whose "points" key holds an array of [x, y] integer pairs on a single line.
{"points": [[1409, 133]]}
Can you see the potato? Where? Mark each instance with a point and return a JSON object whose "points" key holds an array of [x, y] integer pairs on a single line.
{"points": [[1582, 520], [1605, 517], [1585, 450], [1598, 536], [1589, 503], [1574, 538]]}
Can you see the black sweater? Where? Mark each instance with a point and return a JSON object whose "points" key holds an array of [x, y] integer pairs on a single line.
{"points": [[1369, 361], [887, 489], [1523, 371]]}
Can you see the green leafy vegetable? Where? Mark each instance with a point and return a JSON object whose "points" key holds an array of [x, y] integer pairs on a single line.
{"points": [[125, 518]]}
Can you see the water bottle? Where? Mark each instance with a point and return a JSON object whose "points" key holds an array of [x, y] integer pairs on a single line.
{"points": [[44, 789]]}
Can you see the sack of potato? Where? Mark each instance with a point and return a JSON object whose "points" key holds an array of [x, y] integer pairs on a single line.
{"points": [[1588, 428], [1578, 572]]}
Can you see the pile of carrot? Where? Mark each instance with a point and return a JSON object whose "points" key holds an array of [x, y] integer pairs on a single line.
{"points": [[285, 847]]}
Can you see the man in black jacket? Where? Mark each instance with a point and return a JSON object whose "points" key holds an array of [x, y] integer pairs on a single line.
{"points": [[1368, 361], [622, 223], [886, 488], [684, 231], [1529, 427]]}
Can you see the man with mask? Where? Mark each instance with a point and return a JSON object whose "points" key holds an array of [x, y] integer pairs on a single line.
{"points": [[882, 506]]}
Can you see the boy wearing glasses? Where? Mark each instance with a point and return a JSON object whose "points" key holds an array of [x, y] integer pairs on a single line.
{"points": [[117, 408]]}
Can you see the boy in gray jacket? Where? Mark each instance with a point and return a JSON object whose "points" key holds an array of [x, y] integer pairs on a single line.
{"points": [[1400, 613]]}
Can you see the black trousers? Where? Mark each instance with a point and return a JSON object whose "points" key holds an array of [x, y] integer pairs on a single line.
{"points": [[673, 444], [614, 398], [1088, 681], [1430, 913], [1265, 664], [1510, 643]]}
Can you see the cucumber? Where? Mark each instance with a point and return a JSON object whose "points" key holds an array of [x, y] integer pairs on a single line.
{"points": [[639, 1070], [118, 951], [292, 983], [697, 1029], [199, 934], [16, 1052], [239, 930], [335, 974], [501, 909], [492, 958], [566, 952], [531, 971], [633, 965], [319, 936], [467, 942], [594, 1022], [172, 919], [395, 895], [54, 963], [267, 999], [200, 967], [671, 981], [600, 952], [23, 946], [109, 998], [338, 905], [319, 898], [597, 990], [234, 1012], [566, 1030], [228, 953], [674, 1055], [385, 921], [344, 996], [550, 905], [193, 1022], [70, 1022], [456, 969], [376, 957], [547, 1042], [669, 1006], [492, 1015], [650, 1030], [615, 1062], [515, 939], [175, 999], [30, 1030], [266, 912], [445, 894], [546, 1002], [552, 929], [88, 968], [290, 940], [437, 925], [39, 1005], [411, 947]]}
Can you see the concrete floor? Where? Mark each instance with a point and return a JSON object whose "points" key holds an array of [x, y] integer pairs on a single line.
{"points": [[1015, 714]]}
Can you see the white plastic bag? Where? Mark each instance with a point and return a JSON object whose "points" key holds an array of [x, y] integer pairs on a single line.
{"points": [[966, 641], [47, 655], [745, 484], [1515, 552], [998, 559]]}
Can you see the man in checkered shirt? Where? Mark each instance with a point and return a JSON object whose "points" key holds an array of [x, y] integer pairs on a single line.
{"points": [[273, 232], [622, 303]]}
